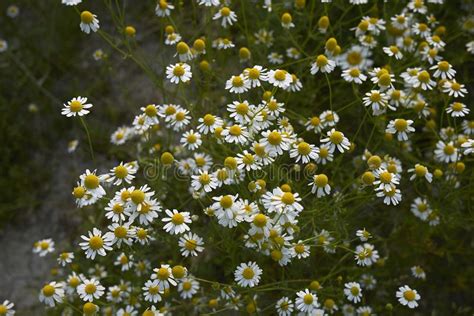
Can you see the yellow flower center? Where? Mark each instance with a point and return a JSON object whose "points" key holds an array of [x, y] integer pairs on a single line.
{"points": [[91, 181], [354, 290], [288, 198], [178, 71], [192, 138], [321, 180], [409, 295], [354, 58], [299, 248], [190, 244], [248, 273], [274, 138], [237, 81], [336, 137], [308, 299], [321, 61], [182, 48], [90, 288], [401, 125], [449, 149], [209, 119], [225, 11], [424, 76], [177, 219], [260, 220], [420, 170], [457, 107], [163, 274], [226, 201], [253, 73], [242, 108], [76, 106], [96, 242], [304, 148], [120, 232], [48, 290], [121, 172], [386, 177], [137, 196], [280, 75], [87, 17], [235, 130]]}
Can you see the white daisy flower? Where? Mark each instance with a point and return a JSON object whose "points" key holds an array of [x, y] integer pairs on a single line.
{"points": [[304, 152], [90, 290], [95, 243], [279, 78], [89, 22], [401, 127], [204, 181], [306, 302], [335, 140], [408, 297], [443, 70], [77, 106], [52, 293], [190, 244], [65, 258], [255, 75], [248, 274], [209, 123], [151, 291], [164, 276], [180, 72], [457, 109], [71, 2], [43, 247], [322, 64], [353, 292], [227, 16], [176, 222], [284, 306], [188, 287], [238, 84], [420, 171], [366, 255], [191, 140], [418, 272], [354, 75], [320, 185], [6, 308], [446, 152], [163, 8], [455, 89], [235, 134]]}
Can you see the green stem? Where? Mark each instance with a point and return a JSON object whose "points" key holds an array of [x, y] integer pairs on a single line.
{"points": [[88, 136]]}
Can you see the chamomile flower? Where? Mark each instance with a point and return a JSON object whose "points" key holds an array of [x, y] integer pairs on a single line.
{"points": [[455, 89], [89, 22], [446, 152], [390, 195], [418, 272], [65, 258], [247, 161], [420, 171], [393, 51], [443, 70], [363, 235], [3, 45], [191, 140], [256, 75], [188, 287], [421, 208], [304, 152], [385, 179], [122, 173], [190, 244], [322, 64], [275, 142], [90, 290], [152, 291], [163, 8], [235, 134], [238, 84], [77, 106], [6, 308], [306, 302], [407, 296], [92, 183], [284, 306], [180, 72], [52, 293], [248, 274], [468, 147], [279, 78], [282, 202], [204, 181], [457, 109], [226, 15], [43, 247], [240, 111], [401, 127], [354, 75], [376, 100], [300, 250], [320, 185], [176, 222], [95, 243], [366, 255], [164, 276], [353, 292], [209, 123], [336, 139]]}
